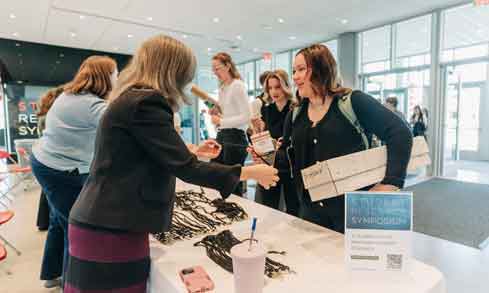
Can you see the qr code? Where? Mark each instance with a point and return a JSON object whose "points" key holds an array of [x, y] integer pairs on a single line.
{"points": [[394, 261]]}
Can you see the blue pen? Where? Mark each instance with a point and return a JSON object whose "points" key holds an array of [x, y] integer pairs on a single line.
{"points": [[253, 228]]}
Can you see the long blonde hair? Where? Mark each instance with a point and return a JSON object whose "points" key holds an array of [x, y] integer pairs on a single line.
{"points": [[283, 78], [161, 63]]}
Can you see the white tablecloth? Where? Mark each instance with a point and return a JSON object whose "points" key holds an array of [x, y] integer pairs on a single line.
{"points": [[315, 253]]}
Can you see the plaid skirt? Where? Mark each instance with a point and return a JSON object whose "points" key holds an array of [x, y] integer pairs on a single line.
{"points": [[103, 261]]}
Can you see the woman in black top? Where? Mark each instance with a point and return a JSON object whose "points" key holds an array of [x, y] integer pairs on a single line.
{"points": [[277, 89], [131, 187], [320, 132], [418, 122]]}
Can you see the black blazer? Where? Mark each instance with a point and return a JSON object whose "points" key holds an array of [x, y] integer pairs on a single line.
{"points": [[138, 153]]}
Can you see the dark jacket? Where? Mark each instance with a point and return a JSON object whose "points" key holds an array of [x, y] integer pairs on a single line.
{"points": [[138, 153], [335, 136]]}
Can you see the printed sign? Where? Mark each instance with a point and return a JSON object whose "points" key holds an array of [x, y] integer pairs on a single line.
{"points": [[378, 230]]}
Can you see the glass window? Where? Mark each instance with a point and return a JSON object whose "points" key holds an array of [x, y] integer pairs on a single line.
{"points": [[187, 123], [249, 77], [413, 42], [283, 61], [465, 32], [262, 65], [376, 47], [411, 88], [333, 47], [208, 82]]}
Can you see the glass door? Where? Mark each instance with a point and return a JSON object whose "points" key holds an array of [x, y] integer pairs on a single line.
{"points": [[466, 122]]}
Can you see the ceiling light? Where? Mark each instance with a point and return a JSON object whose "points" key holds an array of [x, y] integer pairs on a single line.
{"points": [[216, 19], [12, 16], [239, 37], [184, 36], [209, 49], [280, 20], [292, 38], [82, 17], [72, 34], [130, 36], [149, 18], [344, 21], [15, 34]]}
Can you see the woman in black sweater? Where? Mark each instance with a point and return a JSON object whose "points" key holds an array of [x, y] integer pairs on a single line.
{"points": [[320, 131], [277, 89]]}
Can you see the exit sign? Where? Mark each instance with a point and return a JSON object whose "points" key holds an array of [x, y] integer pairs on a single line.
{"points": [[481, 2]]}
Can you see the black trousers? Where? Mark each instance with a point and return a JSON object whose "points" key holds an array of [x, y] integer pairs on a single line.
{"points": [[43, 213], [271, 197], [329, 213], [234, 144]]}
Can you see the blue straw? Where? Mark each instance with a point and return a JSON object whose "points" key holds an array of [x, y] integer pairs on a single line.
{"points": [[253, 228]]}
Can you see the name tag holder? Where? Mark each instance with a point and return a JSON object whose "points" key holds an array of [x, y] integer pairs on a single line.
{"points": [[265, 146]]}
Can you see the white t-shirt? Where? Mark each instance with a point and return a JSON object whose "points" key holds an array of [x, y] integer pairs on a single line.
{"points": [[233, 99]]}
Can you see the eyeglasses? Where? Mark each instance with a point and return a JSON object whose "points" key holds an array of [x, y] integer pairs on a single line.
{"points": [[217, 68]]}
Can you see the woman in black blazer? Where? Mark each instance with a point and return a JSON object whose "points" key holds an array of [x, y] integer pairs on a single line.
{"points": [[131, 188]]}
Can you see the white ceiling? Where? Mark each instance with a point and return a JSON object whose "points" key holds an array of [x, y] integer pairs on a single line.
{"points": [[106, 24]]}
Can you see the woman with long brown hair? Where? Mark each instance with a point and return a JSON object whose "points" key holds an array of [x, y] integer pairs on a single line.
{"points": [[318, 130], [233, 122], [62, 156], [131, 189]]}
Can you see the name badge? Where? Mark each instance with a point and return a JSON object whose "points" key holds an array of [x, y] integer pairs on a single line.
{"points": [[263, 143]]}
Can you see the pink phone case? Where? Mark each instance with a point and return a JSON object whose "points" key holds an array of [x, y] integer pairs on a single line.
{"points": [[196, 279]]}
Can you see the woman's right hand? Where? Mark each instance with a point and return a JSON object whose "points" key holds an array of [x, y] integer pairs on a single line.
{"points": [[265, 175]]}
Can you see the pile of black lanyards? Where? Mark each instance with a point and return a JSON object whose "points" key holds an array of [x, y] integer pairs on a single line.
{"points": [[195, 214], [218, 249]]}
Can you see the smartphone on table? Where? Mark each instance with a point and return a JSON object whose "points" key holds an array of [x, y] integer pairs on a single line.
{"points": [[196, 279]]}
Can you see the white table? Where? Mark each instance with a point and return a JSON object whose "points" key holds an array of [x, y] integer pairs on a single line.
{"points": [[315, 253]]}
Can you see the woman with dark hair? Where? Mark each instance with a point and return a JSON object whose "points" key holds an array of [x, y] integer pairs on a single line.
{"points": [[418, 122], [233, 122], [63, 154], [318, 130]]}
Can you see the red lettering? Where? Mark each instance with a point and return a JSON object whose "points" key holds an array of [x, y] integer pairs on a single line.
{"points": [[22, 107]]}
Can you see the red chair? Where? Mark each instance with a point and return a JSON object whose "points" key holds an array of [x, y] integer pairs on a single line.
{"points": [[22, 173], [3, 252], [6, 216]]}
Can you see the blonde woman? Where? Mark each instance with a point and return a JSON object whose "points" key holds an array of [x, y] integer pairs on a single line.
{"points": [[233, 122], [279, 94], [131, 189]]}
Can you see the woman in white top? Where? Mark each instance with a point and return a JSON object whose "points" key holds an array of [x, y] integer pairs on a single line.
{"points": [[235, 117]]}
